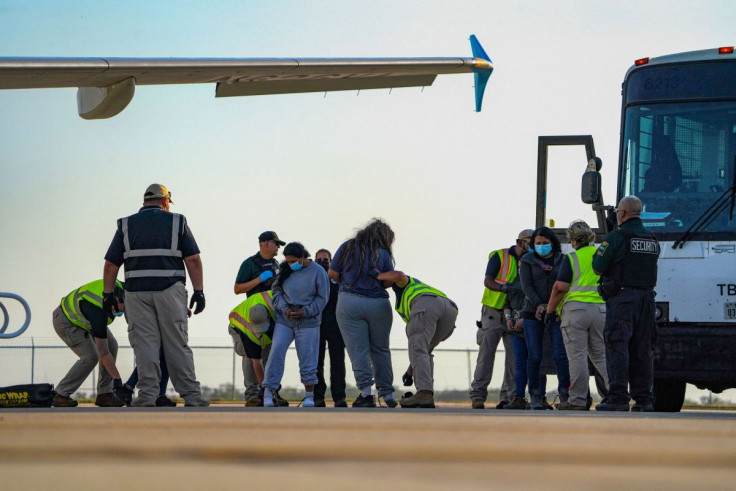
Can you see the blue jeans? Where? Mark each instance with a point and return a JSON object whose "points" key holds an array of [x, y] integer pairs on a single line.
{"points": [[533, 332], [307, 350], [521, 356], [365, 324]]}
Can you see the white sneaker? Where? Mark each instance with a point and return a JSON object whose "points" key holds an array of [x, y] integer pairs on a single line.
{"points": [[267, 398], [308, 401]]}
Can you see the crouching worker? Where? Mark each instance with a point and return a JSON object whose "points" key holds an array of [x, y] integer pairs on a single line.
{"points": [[430, 319], [251, 327], [80, 314]]}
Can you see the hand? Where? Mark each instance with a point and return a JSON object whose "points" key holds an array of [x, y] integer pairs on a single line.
{"points": [[510, 325], [519, 327], [407, 379], [550, 318], [197, 298], [110, 303], [266, 275], [540, 312], [124, 394], [507, 289], [295, 314]]}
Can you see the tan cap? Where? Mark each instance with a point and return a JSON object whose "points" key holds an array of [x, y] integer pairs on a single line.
{"points": [[157, 191], [259, 318], [525, 234]]}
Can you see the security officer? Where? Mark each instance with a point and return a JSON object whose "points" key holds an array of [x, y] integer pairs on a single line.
{"points": [[251, 327], [500, 273], [627, 264], [430, 319], [583, 312], [79, 315], [156, 246], [256, 275]]}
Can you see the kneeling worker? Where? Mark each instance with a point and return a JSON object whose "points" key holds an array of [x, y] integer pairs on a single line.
{"points": [[79, 315], [430, 319], [251, 327]]}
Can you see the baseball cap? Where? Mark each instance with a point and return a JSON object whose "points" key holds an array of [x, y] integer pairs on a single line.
{"points": [[259, 318], [525, 234], [155, 191], [269, 235]]}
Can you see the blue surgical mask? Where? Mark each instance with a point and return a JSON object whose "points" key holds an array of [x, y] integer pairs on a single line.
{"points": [[118, 314], [543, 249], [295, 266]]}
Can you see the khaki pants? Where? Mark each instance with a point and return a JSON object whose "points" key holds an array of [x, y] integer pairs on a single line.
{"points": [[582, 331], [156, 318], [250, 381], [491, 332], [432, 321], [82, 344]]}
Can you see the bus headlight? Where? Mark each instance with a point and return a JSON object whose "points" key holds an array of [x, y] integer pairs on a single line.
{"points": [[662, 312]]}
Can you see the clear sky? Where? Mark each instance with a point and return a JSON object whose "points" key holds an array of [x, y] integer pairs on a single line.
{"points": [[453, 184]]}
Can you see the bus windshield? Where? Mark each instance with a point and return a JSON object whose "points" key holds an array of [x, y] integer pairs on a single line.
{"points": [[679, 158]]}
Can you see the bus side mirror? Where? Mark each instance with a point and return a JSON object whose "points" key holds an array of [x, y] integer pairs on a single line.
{"points": [[590, 191]]}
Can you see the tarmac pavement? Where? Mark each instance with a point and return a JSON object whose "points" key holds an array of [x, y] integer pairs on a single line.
{"points": [[228, 447]]}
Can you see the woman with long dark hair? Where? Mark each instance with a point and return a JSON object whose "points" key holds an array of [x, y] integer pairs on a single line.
{"points": [[538, 270], [300, 293], [364, 310]]}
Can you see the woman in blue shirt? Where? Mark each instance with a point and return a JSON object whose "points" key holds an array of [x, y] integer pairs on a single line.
{"points": [[364, 311]]}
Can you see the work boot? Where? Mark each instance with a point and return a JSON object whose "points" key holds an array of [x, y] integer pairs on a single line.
{"points": [[610, 406], [502, 404], [642, 408], [279, 401], [546, 405], [477, 404], [163, 401], [364, 401], [319, 403], [108, 399], [63, 401], [566, 406], [341, 403], [422, 399], [537, 402], [517, 403], [196, 401]]}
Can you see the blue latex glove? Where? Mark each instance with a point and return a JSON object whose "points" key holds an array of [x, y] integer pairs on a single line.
{"points": [[266, 275]]}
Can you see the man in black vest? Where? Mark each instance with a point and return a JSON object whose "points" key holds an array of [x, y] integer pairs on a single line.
{"points": [[156, 246], [627, 264]]}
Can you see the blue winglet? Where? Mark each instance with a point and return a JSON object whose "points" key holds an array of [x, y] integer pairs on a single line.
{"points": [[482, 74]]}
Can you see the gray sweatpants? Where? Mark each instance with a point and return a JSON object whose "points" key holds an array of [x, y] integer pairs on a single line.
{"points": [[82, 344], [582, 331], [491, 332], [365, 325], [250, 381], [432, 321], [156, 318]]}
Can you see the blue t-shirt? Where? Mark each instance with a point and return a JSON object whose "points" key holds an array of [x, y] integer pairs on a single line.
{"points": [[355, 278], [494, 263]]}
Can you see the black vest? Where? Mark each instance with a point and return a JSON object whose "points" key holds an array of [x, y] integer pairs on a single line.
{"points": [[638, 268]]}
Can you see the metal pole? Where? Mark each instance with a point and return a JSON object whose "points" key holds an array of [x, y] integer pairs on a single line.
{"points": [[470, 376], [33, 359], [232, 393]]}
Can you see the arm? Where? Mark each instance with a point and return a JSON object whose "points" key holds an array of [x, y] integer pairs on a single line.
{"points": [[527, 284], [322, 296], [334, 275], [247, 286], [559, 289], [258, 369], [194, 268], [394, 276], [106, 357], [490, 283], [109, 275]]}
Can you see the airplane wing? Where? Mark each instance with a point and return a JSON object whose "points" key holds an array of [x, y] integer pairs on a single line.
{"points": [[107, 85]]}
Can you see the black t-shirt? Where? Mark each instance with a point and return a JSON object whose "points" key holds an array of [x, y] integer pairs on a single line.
{"points": [[565, 274]]}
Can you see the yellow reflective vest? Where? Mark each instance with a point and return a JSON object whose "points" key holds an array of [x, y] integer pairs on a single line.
{"points": [[412, 290], [240, 316], [91, 292], [584, 284], [506, 274]]}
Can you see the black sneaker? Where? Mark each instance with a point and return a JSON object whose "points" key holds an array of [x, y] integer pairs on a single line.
{"points": [[517, 403], [341, 403], [642, 408], [279, 401], [163, 401], [364, 401], [319, 403], [502, 404], [608, 406]]}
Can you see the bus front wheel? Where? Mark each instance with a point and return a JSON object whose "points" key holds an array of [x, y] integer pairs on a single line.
{"points": [[668, 395]]}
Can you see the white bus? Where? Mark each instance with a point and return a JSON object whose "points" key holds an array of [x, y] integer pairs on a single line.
{"points": [[678, 155]]}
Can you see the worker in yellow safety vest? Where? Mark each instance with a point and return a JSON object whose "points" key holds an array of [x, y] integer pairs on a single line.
{"points": [[82, 323], [251, 327], [576, 300], [430, 319]]}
